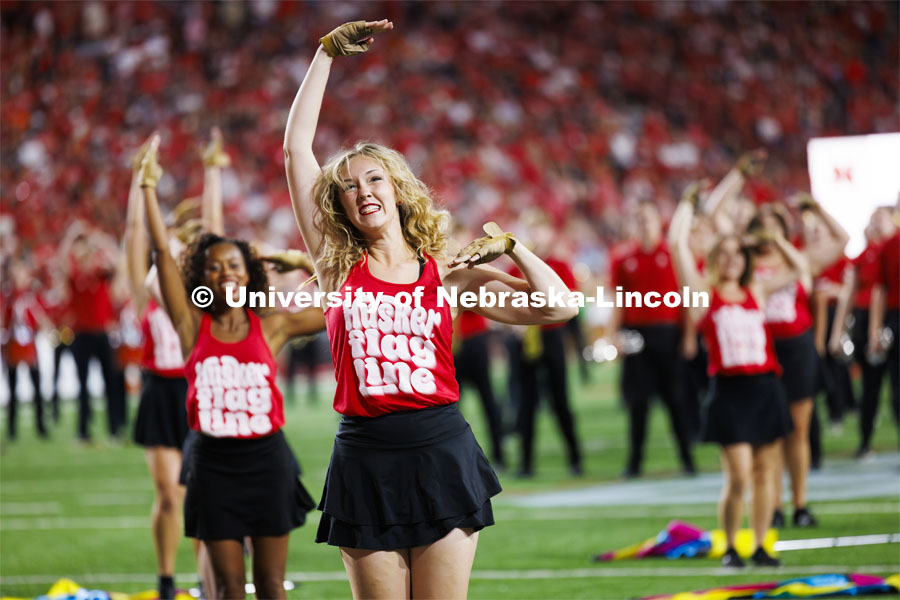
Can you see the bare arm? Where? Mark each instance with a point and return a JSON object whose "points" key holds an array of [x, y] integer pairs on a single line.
{"points": [[282, 326], [827, 251], [214, 160], [136, 249], [185, 317], [683, 258], [299, 161], [844, 303], [798, 269]]}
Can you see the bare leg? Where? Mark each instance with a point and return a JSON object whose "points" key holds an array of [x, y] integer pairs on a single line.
{"points": [[227, 558], [442, 569], [204, 570], [165, 465], [269, 560], [737, 460], [377, 573], [766, 469], [796, 450]]}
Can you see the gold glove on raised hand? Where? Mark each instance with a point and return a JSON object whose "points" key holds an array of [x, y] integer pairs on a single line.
{"points": [[214, 155], [138, 156], [751, 163], [348, 39], [691, 193], [188, 231], [803, 201], [290, 260], [485, 249], [150, 172]]}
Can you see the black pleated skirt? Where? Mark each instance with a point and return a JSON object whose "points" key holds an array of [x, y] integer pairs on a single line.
{"points": [[746, 409], [243, 487], [162, 416], [800, 366], [405, 479]]}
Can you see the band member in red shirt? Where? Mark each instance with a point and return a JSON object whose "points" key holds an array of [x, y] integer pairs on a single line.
{"points": [[408, 488], [89, 257], [884, 315], [21, 317], [747, 412], [242, 478], [656, 370]]}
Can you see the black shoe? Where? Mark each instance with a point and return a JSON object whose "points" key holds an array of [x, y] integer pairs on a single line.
{"points": [[761, 559], [863, 453], [689, 471], [576, 470], [777, 519], [166, 588], [631, 472], [732, 560], [803, 518], [524, 474]]}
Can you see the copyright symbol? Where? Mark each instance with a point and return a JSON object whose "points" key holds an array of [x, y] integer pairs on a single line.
{"points": [[202, 296]]}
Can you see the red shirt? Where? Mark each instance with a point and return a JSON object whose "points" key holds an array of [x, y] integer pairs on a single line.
{"points": [[471, 324], [162, 348], [90, 304], [20, 323], [738, 339], [562, 269], [833, 275], [890, 271], [868, 269], [391, 353], [787, 310], [231, 385], [640, 271]]}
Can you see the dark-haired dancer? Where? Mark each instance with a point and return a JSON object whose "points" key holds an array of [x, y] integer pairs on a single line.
{"points": [[242, 479]]}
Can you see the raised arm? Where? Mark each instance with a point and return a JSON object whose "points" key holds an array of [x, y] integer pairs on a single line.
{"points": [[214, 160], [469, 274], [727, 190], [797, 264], [830, 249], [299, 160], [682, 257], [137, 257], [185, 317]]}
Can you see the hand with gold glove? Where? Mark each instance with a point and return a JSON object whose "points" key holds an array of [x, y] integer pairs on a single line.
{"points": [[750, 164], [149, 173], [691, 193], [214, 155], [485, 249], [289, 260], [803, 202], [188, 231], [353, 38], [138, 156]]}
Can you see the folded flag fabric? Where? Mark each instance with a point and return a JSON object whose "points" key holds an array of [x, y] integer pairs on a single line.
{"points": [[684, 540], [832, 585], [66, 589]]}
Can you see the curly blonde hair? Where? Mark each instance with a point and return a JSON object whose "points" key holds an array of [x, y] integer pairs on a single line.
{"points": [[425, 227]]}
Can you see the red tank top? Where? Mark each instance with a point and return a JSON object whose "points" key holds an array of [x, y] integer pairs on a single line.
{"points": [[231, 385], [867, 270], [738, 339], [391, 352], [787, 310], [162, 348]]}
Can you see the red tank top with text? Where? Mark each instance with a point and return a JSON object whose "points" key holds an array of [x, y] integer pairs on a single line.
{"points": [[737, 337], [162, 348], [231, 385], [787, 310], [391, 348]]}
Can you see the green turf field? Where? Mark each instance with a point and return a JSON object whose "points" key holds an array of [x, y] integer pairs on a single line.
{"points": [[83, 512]]}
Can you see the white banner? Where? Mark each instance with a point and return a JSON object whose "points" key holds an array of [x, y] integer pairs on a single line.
{"points": [[851, 176]]}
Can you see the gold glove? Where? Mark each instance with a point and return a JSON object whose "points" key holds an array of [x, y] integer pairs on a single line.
{"points": [[290, 260], [691, 193], [214, 155], [348, 39], [751, 163], [804, 201], [150, 172], [138, 156], [492, 246]]}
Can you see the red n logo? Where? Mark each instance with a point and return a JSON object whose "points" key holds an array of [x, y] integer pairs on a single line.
{"points": [[845, 173]]}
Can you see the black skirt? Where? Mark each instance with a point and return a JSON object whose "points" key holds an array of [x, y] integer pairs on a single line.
{"points": [[243, 487], [800, 366], [162, 417], [405, 479], [746, 409]]}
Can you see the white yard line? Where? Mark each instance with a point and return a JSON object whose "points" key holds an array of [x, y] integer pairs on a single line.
{"points": [[587, 573]]}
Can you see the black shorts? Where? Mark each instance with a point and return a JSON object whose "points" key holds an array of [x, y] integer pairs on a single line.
{"points": [[243, 487], [746, 409], [405, 479], [799, 365], [162, 416]]}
